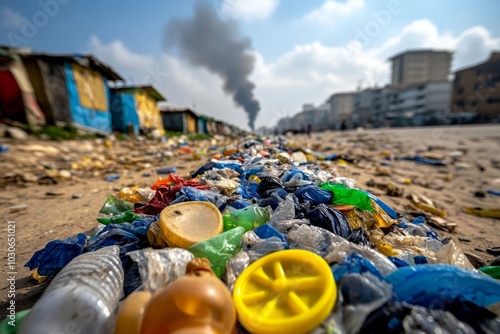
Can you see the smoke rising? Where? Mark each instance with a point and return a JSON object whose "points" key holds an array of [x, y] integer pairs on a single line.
{"points": [[208, 41]]}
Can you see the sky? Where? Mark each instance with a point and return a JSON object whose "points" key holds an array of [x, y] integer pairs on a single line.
{"points": [[304, 50]]}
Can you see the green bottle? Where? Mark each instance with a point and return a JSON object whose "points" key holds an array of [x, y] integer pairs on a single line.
{"points": [[249, 218], [126, 217], [219, 249]]}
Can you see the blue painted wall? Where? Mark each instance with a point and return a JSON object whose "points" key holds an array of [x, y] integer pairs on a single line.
{"points": [[123, 112], [94, 119], [202, 125]]}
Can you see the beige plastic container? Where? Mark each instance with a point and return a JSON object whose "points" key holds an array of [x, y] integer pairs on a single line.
{"points": [[187, 223]]}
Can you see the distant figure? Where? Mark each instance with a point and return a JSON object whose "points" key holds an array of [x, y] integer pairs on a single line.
{"points": [[343, 127], [309, 130]]}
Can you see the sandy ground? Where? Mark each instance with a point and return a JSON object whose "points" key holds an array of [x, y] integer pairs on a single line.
{"points": [[57, 216]]}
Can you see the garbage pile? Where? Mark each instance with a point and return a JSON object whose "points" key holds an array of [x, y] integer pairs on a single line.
{"points": [[260, 240], [30, 161]]}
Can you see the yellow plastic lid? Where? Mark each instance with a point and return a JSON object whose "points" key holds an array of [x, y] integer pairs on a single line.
{"points": [[187, 223], [290, 291]]}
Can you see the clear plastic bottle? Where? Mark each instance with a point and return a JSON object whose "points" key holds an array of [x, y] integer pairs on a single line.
{"points": [[195, 303], [82, 298]]}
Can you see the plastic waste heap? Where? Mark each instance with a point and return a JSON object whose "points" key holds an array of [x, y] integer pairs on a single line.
{"points": [[261, 239]]}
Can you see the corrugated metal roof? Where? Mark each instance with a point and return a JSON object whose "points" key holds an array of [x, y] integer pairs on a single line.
{"points": [[84, 60], [148, 88]]}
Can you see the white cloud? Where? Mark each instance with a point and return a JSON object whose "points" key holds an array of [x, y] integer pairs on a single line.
{"points": [[308, 73], [472, 45], [311, 72], [11, 19], [331, 10], [117, 54], [249, 10], [180, 83]]}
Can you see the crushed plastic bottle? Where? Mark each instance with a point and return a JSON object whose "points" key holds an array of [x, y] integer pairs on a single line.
{"points": [[81, 298]]}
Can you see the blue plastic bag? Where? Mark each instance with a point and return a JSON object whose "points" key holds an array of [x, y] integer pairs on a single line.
{"points": [[248, 189], [425, 285], [313, 194], [57, 254], [355, 264]]}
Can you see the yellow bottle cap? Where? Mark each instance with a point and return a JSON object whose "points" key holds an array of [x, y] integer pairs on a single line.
{"points": [[187, 223], [290, 291]]}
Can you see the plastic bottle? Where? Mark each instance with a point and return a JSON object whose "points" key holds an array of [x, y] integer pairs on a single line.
{"points": [[82, 298], [195, 303], [249, 218], [129, 317]]}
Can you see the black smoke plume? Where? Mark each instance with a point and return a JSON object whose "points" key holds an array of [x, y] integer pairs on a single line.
{"points": [[208, 41]]}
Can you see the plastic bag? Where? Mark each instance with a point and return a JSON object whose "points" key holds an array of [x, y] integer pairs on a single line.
{"points": [[286, 225], [219, 249], [342, 249], [56, 254], [359, 236], [284, 211], [425, 284], [268, 183], [224, 186], [193, 194], [362, 293], [219, 165], [314, 239], [158, 267], [313, 194], [330, 219], [450, 253], [355, 264], [263, 247], [235, 267], [248, 189], [344, 195], [268, 231], [434, 321]]}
